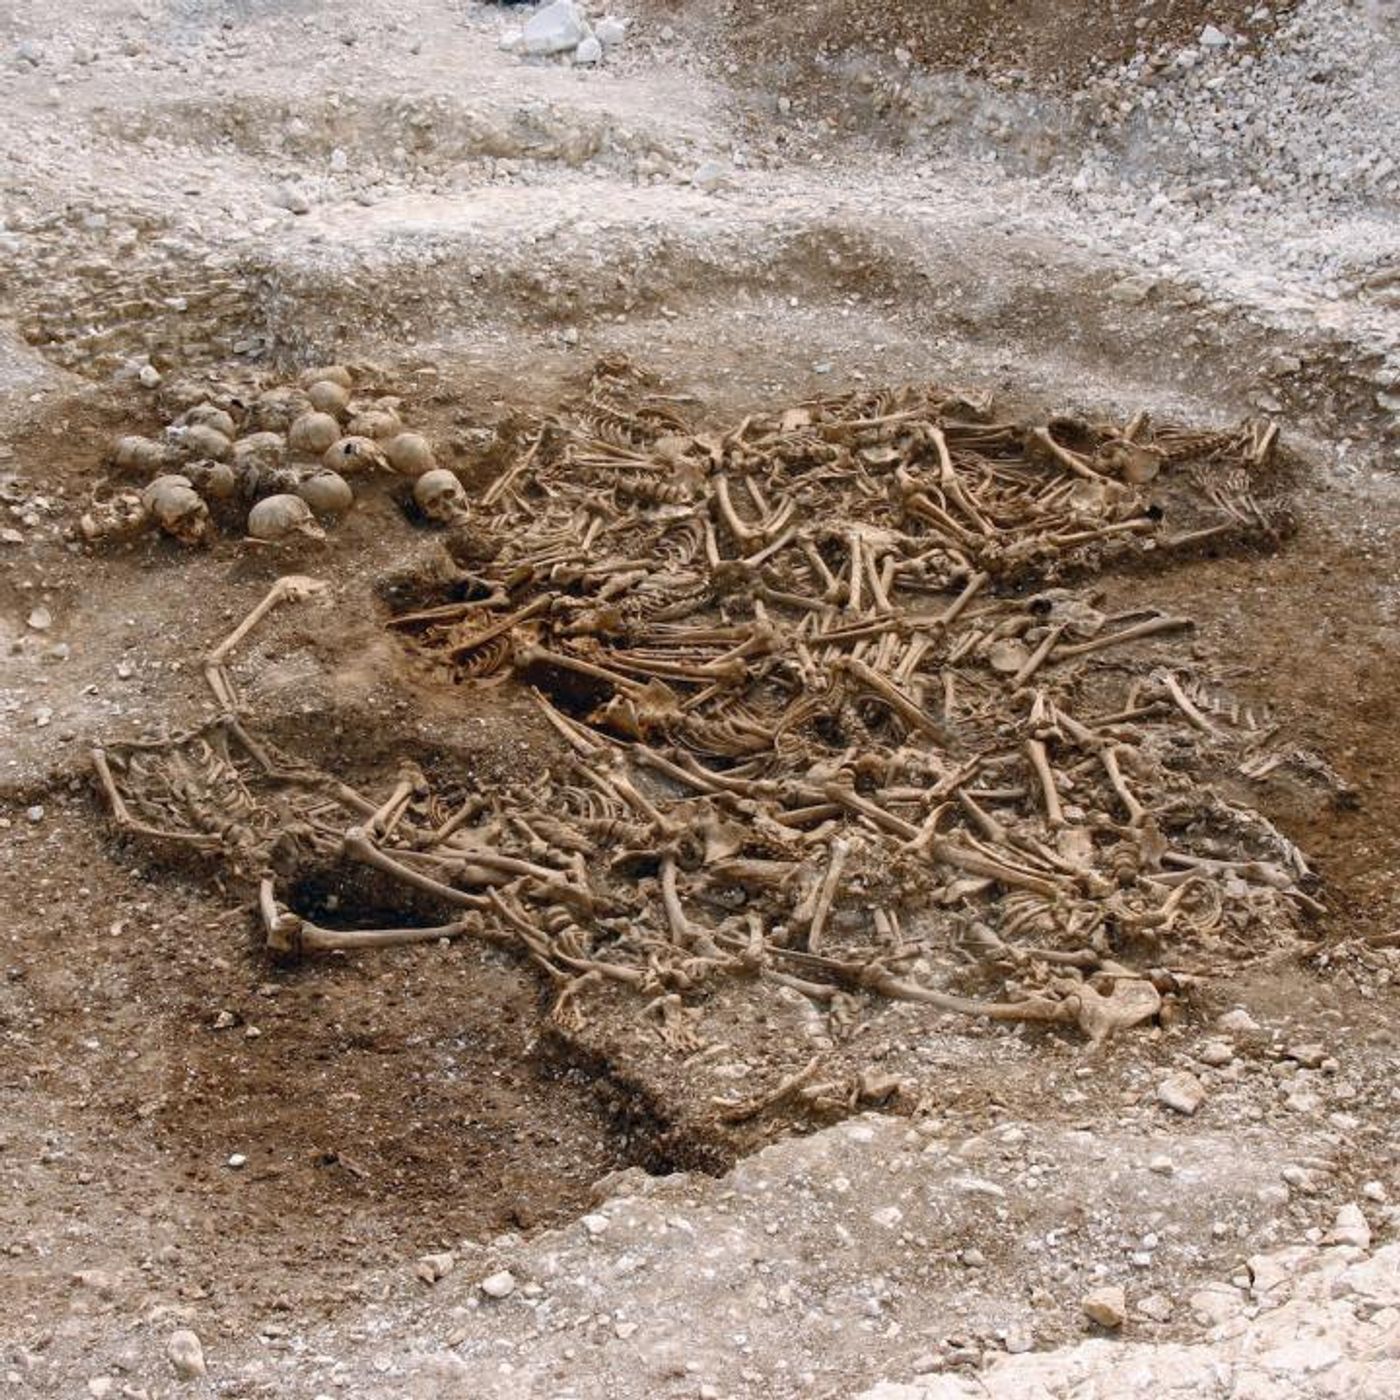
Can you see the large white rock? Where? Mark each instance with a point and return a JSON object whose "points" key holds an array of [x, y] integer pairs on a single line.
{"points": [[555, 29]]}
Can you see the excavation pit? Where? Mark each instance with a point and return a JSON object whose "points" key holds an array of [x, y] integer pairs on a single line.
{"points": [[839, 720]]}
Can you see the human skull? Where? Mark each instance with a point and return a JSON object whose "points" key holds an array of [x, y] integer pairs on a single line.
{"points": [[328, 397], [410, 454], [326, 492], [215, 481], [207, 415], [333, 374], [1130, 461], [140, 455], [261, 450], [378, 419], [117, 517], [439, 495], [276, 517], [194, 441], [312, 433], [277, 409], [354, 454], [174, 504]]}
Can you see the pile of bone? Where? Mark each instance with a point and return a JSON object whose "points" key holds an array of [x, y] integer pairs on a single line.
{"points": [[844, 713], [279, 467]]}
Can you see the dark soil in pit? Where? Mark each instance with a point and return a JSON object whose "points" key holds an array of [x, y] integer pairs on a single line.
{"points": [[327, 1117]]}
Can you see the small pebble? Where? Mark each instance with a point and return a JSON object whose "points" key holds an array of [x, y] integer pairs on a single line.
{"points": [[1350, 1227], [34, 814], [432, 1267], [1156, 1307], [1106, 1306], [499, 1285], [1182, 1092], [1238, 1020], [185, 1353], [237, 1160]]}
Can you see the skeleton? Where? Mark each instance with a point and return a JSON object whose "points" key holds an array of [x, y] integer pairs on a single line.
{"points": [[849, 708]]}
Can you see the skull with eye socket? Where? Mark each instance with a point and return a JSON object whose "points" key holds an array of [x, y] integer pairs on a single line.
{"points": [[179, 510], [439, 495]]}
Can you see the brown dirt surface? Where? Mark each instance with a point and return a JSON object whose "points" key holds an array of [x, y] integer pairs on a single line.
{"points": [[1046, 41]]}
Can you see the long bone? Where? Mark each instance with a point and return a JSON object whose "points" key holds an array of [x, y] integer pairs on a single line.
{"points": [[1107, 752], [292, 588], [504, 625], [873, 681], [951, 486], [289, 933], [1151, 628], [1045, 776], [826, 894], [358, 846]]}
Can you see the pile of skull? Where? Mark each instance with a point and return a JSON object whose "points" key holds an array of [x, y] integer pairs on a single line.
{"points": [[280, 465]]}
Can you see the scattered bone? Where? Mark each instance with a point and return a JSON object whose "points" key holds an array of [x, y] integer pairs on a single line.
{"points": [[812, 707]]}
